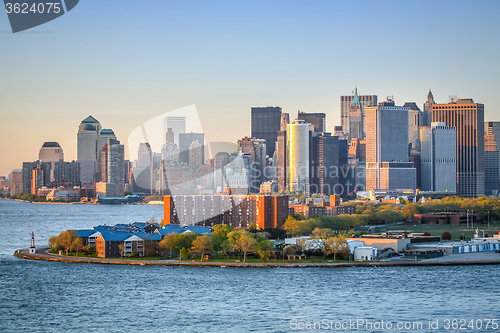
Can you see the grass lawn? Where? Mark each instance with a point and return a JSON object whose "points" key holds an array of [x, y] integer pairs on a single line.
{"points": [[455, 231]]}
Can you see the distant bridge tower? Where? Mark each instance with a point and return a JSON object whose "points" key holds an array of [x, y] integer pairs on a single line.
{"points": [[32, 247]]}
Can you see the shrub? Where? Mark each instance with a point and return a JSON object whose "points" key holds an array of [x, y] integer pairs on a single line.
{"points": [[446, 236]]}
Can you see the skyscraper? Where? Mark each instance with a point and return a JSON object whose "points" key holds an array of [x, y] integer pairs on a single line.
{"points": [[185, 140], [87, 154], [345, 108], [266, 123], [178, 126], [112, 170], [318, 120], [324, 180], [298, 156], [494, 128], [468, 118], [491, 161], [356, 118], [282, 160], [221, 159], [427, 114], [438, 158], [51, 152], [387, 165], [414, 122]]}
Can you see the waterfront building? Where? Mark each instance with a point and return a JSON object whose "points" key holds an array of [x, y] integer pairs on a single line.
{"points": [[468, 118], [51, 152], [318, 120], [298, 156], [266, 211], [438, 158], [325, 208], [345, 108], [266, 123], [87, 153], [387, 165]]}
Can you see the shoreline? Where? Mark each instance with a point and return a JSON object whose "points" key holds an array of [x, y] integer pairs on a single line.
{"points": [[41, 254]]}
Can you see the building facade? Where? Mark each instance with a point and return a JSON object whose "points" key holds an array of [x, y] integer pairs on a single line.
{"points": [[345, 108], [266, 211], [87, 153], [318, 120], [298, 156], [266, 123], [438, 158], [51, 152], [491, 163], [468, 118], [387, 165]]}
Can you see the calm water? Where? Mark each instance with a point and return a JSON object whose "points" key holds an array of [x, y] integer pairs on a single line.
{"points": [[66, 297]]}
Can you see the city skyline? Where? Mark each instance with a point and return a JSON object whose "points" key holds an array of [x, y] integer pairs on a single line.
{"points": [[234, 57]]}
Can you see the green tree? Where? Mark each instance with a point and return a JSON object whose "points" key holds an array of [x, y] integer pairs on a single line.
{"points": [[184, 253], [168, 243], [65, 240], [77, 245], [291, 226], [219, 236], [184, 240], [252, 227], [54, 242], [409, 210], [241, 241], [263, 249], [202, 245], [336, 245]]}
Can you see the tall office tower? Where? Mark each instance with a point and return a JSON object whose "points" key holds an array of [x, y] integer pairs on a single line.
{"points": [[185, 140], [282, 161], [195, 154], [266, 123], [285, 120], [318, 120], [51, 152], [143, 169], [104, 135], [298, 156], [170, 154], [468, 118], [438, 144], [16, 182], [178, 126], [356, 129], [415, 116], [491, 162], [345, 108], [112, 170], [240, 174], [87, 154], [387, 165], [221, 159], [170, 136], [325, 161], [494, 128], [257, 149], [427, 114]]}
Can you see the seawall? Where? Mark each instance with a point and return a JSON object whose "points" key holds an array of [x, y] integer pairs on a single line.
{"points": [[41, 254]]}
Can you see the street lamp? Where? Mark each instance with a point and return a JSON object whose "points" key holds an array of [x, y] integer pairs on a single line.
{"points": [[467, 219], [473, 219]]}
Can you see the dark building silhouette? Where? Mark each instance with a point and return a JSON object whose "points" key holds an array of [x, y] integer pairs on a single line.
{"points": [[318, 120], [266, 123]]}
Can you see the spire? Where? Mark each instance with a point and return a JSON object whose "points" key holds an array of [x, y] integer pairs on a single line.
{"points": [[355, 100], [430, 97]]}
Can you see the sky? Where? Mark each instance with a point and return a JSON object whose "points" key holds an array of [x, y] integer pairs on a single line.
{"points": [[126, 62]]}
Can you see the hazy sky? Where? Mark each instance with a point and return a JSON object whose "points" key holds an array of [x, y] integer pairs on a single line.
{"points": [[125, 62]]}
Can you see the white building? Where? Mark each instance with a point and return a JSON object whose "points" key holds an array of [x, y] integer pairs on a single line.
{"points": [[438, 144], [365, 253], [298, 152]]}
